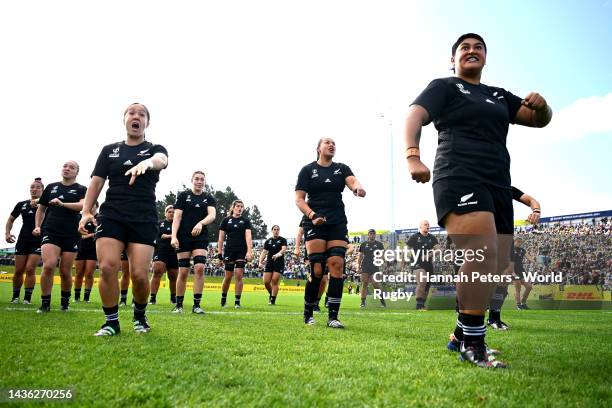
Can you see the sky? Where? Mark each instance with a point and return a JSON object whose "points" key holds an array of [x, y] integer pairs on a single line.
{"points": [[243, 91]]}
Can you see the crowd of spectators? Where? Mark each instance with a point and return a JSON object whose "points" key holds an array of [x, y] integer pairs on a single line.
{"points": [[581, 252]]}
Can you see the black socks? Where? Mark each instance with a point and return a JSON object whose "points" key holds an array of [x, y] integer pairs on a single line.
{"points": [[334, 292], [473, 329]]}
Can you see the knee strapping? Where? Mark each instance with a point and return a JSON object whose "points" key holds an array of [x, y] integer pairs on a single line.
{"points": [[314, 259], [184, 263], [199, 259], [336, 251]]}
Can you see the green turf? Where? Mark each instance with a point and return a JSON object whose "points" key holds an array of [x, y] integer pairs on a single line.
{"points": [[265, 356], [209, 279]]}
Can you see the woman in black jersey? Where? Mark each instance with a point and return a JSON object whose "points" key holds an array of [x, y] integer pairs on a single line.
{"points": [[519, 253], [27, 249], [517, 267], [235, 230], [366, 265], [193, 211], [59, 206], [164, 258], [325, 225], [272, 261], [86, 261], [472, 174], [128, 216]]}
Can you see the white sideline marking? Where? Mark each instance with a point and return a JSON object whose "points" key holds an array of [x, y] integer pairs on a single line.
{"points": [[220, 312]]}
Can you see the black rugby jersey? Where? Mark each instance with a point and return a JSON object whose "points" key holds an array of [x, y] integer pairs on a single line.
{"points": [[61, 221], [165, 228], [28, 214], [367, 248], [324, 186], [424, 243], [517, 256], [234, 231], [195, 209], [274, 246], [135, 203], [472, 123]]}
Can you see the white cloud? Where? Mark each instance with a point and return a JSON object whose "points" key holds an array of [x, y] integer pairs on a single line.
{"points": [[584, 117], [562, 182]]}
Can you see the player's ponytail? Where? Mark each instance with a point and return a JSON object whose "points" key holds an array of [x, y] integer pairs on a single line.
{"points": [[319, 145], [39, 181]]}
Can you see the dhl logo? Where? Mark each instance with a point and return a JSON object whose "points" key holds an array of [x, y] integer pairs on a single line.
{"points": [[582, 296]]}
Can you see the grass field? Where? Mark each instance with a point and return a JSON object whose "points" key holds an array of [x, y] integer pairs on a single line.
{"points": [[265, 356]]}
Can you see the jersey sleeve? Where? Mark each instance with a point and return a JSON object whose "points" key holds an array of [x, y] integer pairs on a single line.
{"points": [[267, 244], [433, 99], [381, 246], [159, 149], [514, 104], [283, 242], [362, 246], [411, 241], [82, 192], [211, 201], [180, 202], [44, 198], [247, 224], [223, 225], [101, 168], [434, 240], [17, 210], [346, 170], [516, 194], [303, 180]]}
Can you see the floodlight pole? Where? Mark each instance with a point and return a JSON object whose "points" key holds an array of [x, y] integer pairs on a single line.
{"points": [[392, 177], [388, 123]]}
